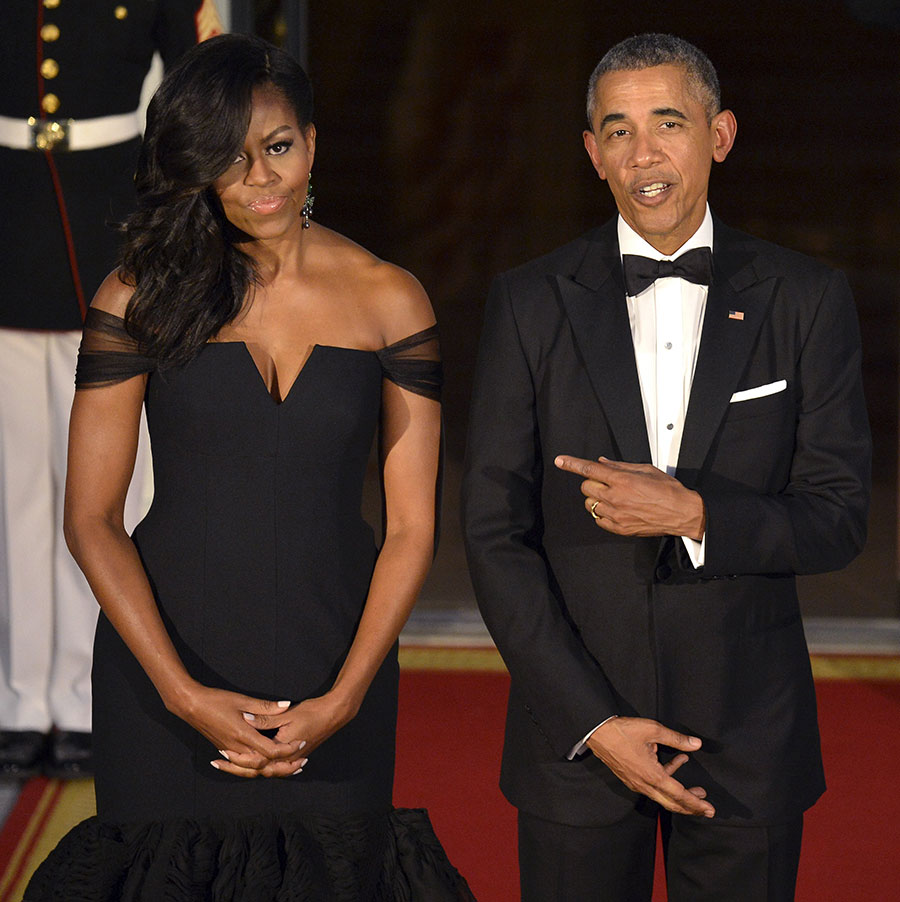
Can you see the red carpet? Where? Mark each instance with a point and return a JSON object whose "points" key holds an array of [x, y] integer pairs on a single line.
{"points": [[448, 761], [851, 844], [452, 706]]}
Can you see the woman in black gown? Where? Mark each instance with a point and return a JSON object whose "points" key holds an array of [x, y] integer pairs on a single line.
{"points": [[249, 626]]}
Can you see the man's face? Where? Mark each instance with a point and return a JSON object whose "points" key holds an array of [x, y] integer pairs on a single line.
{"points": [[652, 142]]}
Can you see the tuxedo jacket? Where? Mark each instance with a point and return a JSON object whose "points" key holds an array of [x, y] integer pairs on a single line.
{"points": [[591, 624]]}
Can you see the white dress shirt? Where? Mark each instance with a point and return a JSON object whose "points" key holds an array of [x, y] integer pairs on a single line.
{"points": [[666, 321]]}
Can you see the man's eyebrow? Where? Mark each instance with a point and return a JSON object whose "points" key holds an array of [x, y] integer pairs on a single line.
{"points": [[667, 111], [611, 117], [671, 112]]}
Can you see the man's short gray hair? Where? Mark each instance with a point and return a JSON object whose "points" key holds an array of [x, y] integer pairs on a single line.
{"points": [[642, 51]]}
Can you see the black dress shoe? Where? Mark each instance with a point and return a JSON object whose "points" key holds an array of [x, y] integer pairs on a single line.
{"points": [[70, 757], [21, 753]]}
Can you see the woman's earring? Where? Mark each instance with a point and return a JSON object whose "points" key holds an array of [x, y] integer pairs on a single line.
{"points": [[306, 212]]}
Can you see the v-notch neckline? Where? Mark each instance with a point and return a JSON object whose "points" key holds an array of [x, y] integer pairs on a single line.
{"points": [[278, 402], [277, 384], [282, 397]]}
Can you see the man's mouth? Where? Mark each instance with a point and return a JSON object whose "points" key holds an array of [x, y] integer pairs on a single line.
{"points": [[654, 189]]}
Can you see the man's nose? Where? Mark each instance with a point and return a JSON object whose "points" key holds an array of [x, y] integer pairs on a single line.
{"points": [[645, 150]]}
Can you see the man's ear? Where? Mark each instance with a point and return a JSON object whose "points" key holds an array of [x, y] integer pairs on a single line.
{"points": [[590, 145], [724, 127]]}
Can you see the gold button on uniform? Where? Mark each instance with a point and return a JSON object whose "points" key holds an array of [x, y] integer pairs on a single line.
{"points": [[120, 12], [51, 4], [49, 68], [50, 103], [49, 33]]}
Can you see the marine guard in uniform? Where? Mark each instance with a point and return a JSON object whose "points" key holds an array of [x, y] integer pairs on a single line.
{"points": [[72, 75]]}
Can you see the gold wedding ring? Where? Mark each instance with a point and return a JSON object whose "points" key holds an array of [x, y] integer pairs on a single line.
{"points": [[594, 513]]}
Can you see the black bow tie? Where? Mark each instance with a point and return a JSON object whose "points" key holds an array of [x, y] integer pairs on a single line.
{"points": [[641, 272]]}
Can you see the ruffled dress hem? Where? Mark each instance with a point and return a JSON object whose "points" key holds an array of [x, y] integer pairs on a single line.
{"points": [[390, 857]]}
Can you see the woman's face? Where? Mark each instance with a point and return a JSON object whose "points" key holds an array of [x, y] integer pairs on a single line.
{"points": [[264, 189]]}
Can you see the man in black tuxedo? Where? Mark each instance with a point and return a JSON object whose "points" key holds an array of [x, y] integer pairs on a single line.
{"points": [[713, 408]]}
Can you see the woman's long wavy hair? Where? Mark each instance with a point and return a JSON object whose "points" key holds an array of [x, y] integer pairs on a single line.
{"points": [[190, 278]]}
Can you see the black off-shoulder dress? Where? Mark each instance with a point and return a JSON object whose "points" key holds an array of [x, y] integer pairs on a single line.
{"points": [[260, 562]]}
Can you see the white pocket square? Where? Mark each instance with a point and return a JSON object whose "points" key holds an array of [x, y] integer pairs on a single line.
{"points": [[772, 388]]}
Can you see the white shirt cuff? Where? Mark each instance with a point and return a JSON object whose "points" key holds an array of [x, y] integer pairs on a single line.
{"points": [[696, 550], [580, 747]]}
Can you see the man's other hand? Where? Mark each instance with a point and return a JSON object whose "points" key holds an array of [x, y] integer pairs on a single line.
{"points": [[628, 747]]}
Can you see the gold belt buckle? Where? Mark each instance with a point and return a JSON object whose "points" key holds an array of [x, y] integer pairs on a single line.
{"points": [[49, 134]]}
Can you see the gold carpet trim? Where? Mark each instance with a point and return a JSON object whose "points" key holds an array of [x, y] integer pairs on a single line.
{"points": [[74, 804], [15, 892], [431, 658], [855, 667], [824, 667]]}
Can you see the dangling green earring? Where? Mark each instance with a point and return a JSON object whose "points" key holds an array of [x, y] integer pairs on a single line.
{"points": [[306, 212]]}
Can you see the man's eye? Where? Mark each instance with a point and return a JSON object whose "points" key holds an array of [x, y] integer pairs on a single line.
{"points": [[618, 133], [670, 124]]}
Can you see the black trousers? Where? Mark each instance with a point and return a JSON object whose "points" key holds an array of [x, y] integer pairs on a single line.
{"points": [[705, 861]]}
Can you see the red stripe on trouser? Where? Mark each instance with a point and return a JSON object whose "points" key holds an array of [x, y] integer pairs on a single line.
{"points": [[67, 231]]}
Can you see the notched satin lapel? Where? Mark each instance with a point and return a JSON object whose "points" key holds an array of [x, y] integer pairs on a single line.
{"points": [[594, 301], [738, 303]]}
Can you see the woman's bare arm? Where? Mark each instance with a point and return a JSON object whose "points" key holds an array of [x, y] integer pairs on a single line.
{"points": [[103, 436]]}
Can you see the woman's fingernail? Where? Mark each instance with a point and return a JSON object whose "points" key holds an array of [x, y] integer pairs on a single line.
{"points": [[284, 704], [302, 743], [299, 770], [302, 762], [248, 716], [224, 754], [215, 764]]}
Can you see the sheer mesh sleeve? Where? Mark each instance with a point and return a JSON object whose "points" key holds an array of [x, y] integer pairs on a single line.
{"points": [[108, 354], [414, 363]]}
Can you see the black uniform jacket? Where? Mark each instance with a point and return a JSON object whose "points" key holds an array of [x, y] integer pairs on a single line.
{"points": [[591, 624], [90, 60]]}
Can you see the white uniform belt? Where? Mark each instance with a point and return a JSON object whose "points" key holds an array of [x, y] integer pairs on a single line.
{"points": [[68, 134]]}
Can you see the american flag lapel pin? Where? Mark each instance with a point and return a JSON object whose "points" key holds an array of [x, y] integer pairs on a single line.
{"points": [[736, 314]]}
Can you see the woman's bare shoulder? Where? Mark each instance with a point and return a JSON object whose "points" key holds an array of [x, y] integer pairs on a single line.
{"points": [[113, 294], [392, 296], [400, 303]]}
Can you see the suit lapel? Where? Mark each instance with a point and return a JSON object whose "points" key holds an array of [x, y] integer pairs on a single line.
{"points": [[739, 299], [594, 300], [737, 305]]}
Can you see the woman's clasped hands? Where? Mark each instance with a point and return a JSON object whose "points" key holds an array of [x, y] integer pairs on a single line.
{"points": [[238, 725]]}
